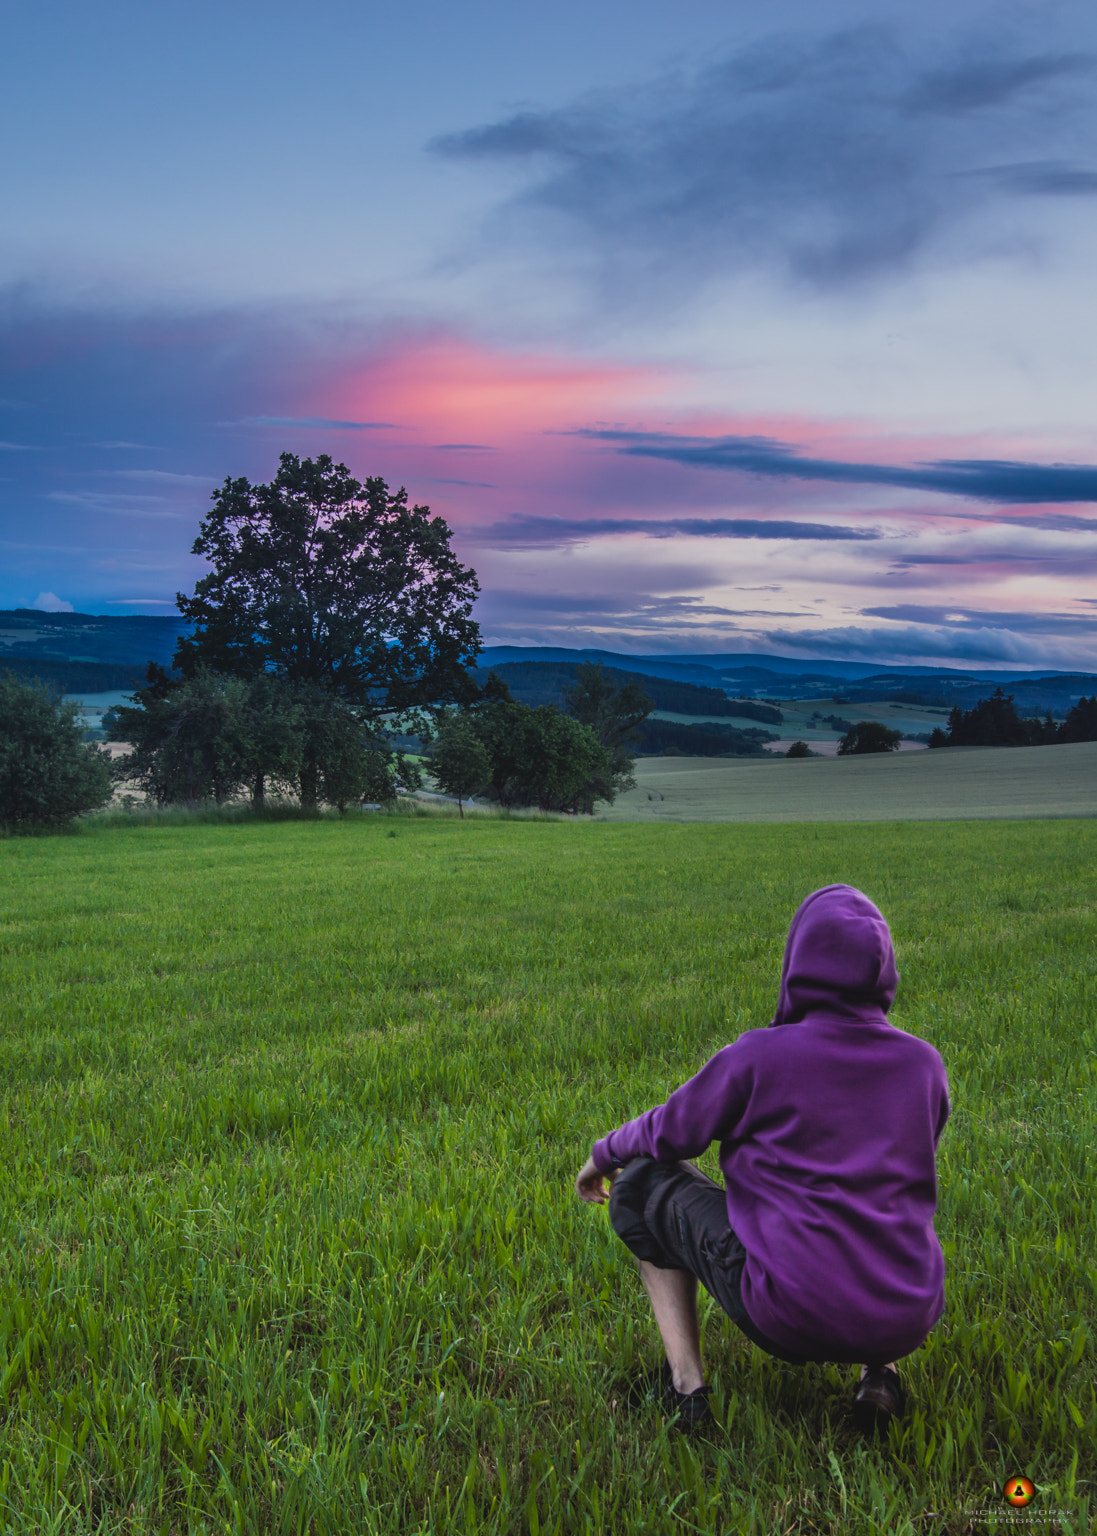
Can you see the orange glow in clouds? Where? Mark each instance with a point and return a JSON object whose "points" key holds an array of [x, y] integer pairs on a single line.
{"points": [[456, 391], [452, 390]]}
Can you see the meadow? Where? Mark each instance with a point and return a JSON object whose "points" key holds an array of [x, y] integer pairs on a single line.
{"points": [[291, 1113]]}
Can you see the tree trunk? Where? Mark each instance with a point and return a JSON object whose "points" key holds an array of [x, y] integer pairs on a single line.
{"points": [[258, 792], [310, 778]]}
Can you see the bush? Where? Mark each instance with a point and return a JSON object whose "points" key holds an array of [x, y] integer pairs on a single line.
{"points": [[47, 774], [868, 736]]}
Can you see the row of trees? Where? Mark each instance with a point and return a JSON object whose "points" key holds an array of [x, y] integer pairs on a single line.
{"points": [[214, 736], [994, 722]]}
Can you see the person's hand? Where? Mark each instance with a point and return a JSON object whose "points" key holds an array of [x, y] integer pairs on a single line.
{"points": [[590, 1184]]}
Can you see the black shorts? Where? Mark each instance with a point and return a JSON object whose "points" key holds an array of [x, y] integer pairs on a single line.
{"points": [[676, 1217]]}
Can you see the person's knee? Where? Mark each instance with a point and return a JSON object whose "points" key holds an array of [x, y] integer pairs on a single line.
{"points": [[628, 1202]]}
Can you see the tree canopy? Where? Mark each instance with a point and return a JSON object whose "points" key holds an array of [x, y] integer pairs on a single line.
{"points": [[613, 715], [460, 760], [1081, 721], [334, 582], [521, 756], [868, 736]]}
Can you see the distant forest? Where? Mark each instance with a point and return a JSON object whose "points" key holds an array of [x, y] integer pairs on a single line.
{"points": [[996, 722], [85, 653], [543, 682]]}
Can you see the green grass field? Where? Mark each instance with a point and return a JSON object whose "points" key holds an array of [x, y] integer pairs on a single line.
{"points": [[291, 1115]]}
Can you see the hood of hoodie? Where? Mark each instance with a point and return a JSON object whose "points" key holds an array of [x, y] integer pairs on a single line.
{"points": [[839, 959]]}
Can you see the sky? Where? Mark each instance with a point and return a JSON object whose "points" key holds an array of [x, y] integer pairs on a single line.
{"points": [[708, 328]]}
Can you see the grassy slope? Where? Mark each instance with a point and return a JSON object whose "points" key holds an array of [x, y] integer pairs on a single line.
{"points": [[959, 782], [291, 1115]]}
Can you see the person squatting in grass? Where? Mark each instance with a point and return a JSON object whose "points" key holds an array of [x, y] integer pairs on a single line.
{"points": [[821, 1244]]}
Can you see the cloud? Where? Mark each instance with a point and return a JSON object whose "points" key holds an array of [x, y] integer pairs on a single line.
{"points": [[528, 529], [917, 643], [972, 84], [324, 422], [998, 480], [977, 619], [836, 158], [122, 505], [161, 476], [565, 618], [49, 602], [1041, 178], [464, 448]]}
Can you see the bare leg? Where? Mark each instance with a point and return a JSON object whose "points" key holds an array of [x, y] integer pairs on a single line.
{"points": [[673, 1297]]}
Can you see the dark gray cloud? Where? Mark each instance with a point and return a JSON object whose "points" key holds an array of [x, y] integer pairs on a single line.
{"points": [[1040, 558], [980, 619], [839, 157], [1041, 178], [996, 480], [973, 84], [1048, 522], [528, 529]]}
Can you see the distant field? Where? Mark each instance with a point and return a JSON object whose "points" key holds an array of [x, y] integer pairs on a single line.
{"points": [[954, 783], [289, 1118], [801, 720]]}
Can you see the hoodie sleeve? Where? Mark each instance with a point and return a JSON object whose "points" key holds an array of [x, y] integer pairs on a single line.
{"points": [[703, 1110]]}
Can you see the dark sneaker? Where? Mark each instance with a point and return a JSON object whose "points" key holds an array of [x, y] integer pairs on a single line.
{"points": [[879, 1399], [690, 1409]]}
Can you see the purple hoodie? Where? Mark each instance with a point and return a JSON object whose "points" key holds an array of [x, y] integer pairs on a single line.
{"points": [[828, 1128]]}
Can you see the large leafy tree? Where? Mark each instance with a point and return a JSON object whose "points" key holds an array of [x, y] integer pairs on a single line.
{"points": [[47, 774], [613, 714], [540, 756], [334, 582]]}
